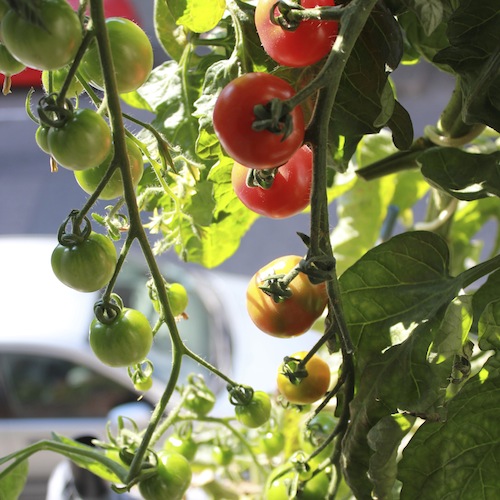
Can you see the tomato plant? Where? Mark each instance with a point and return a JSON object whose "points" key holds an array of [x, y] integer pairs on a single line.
{"points": [[234, 116], [82, 142], [132, 55], [301, 390], [222, 455], [122, 340], [86, 265], [289, 192], [183, 444], [172, 478], [256, 412], [8, 64], [273, 442], [52, 81], [293, 315], [49, 44], [305, 45], [90, 178]]}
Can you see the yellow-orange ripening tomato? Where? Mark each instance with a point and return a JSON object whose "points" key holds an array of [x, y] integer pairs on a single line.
{"points": [[308, 389], [294, 315]]}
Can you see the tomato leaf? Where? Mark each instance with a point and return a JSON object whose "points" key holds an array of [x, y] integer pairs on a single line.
{"points": [[429, 12], [172, 37], [12, 485], [466, 176], [487, 293], [197, 15], [474, 54], [467, 443], [402, 379]]}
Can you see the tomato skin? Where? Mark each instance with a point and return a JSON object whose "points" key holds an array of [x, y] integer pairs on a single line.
{"points": [[317, 430], [143, 385], [132, 55], [222, 455], [290, 192], [125, 341], [84, 141], [172, 480], [256, 412], [306, 45], [9, 65], [51, 47], [42, 138], [89, 179], [273, 442], [310, 388], [234, 114], [58, 77], [278, 488], [185, 445], [87, 266], [296, 314]]}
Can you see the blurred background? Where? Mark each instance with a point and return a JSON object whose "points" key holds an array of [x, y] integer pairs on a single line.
{"points": [[33, 200]]}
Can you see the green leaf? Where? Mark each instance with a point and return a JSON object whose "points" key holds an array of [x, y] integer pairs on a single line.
{"points": [[429, 13], [488, 292], [458, 458], [466, 176], [403, 378], [172, 37], [489, 326], [404, 280], [197, 15], [365, 101], [12, 485], [474, 54]]}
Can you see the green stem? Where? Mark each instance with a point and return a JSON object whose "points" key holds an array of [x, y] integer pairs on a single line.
{"points": [[480, 270]]}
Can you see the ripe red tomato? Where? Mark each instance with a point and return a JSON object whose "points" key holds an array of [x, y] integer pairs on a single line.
{"points": [[294, 315], [306, 45], [310, 388], [234, 115], [289, 193]]}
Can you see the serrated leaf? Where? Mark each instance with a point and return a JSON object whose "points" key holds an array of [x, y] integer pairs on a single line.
{"points": [[197, 15], [465, 176], [458, 458], [404, 280], [401, 379], [12, 485]]}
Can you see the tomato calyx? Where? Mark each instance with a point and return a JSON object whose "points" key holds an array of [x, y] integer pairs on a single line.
{"points": [[107, 311], [240, 395], [141, 375], [294, 369], [276, 286], [291, 14], [261, 178], [52, 113], [274, 117], [78, 234]]}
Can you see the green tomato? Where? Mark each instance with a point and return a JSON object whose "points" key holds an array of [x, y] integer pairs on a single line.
{"points": [[200, 402], [222, 455], [123, 342], [51, 44], [185, 445], [85, 266], [256, 412], [90, 178], [9, 65], [143, 384], [281, 487], [316, 431], [273, 442], [171, 481], [58, 77], [42, 138], [132, 55], [4, 8], [84, 141]]}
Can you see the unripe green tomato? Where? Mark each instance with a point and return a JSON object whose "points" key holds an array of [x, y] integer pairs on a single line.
{"points": [[86, 266], [58, 77], [172, 480], [132, 55], [143, 384], [256, 412], [273, 442], [222, 455], [4, 8], [185, 445], [42, 138], [125, 341], [200, 403], [9, 65], [50, 44], [84, 141], [90, 178], [177, 298]]}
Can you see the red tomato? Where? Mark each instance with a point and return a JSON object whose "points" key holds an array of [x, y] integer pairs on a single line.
{"points": [[306, 45], [234, 115], [289, 193], [294, 315]]}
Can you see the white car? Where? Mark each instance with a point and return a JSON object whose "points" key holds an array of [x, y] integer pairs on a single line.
{"points": [[51, 381]]}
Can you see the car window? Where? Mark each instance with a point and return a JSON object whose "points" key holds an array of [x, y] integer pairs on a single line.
{"points": [[48, 387]]}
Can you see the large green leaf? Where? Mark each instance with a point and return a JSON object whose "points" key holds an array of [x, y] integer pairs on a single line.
{"points": [[12, 485], [466, 176], [458, 458], [410, 377], [474, 54], [402, 281], [172, 37], [488, 292]]}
